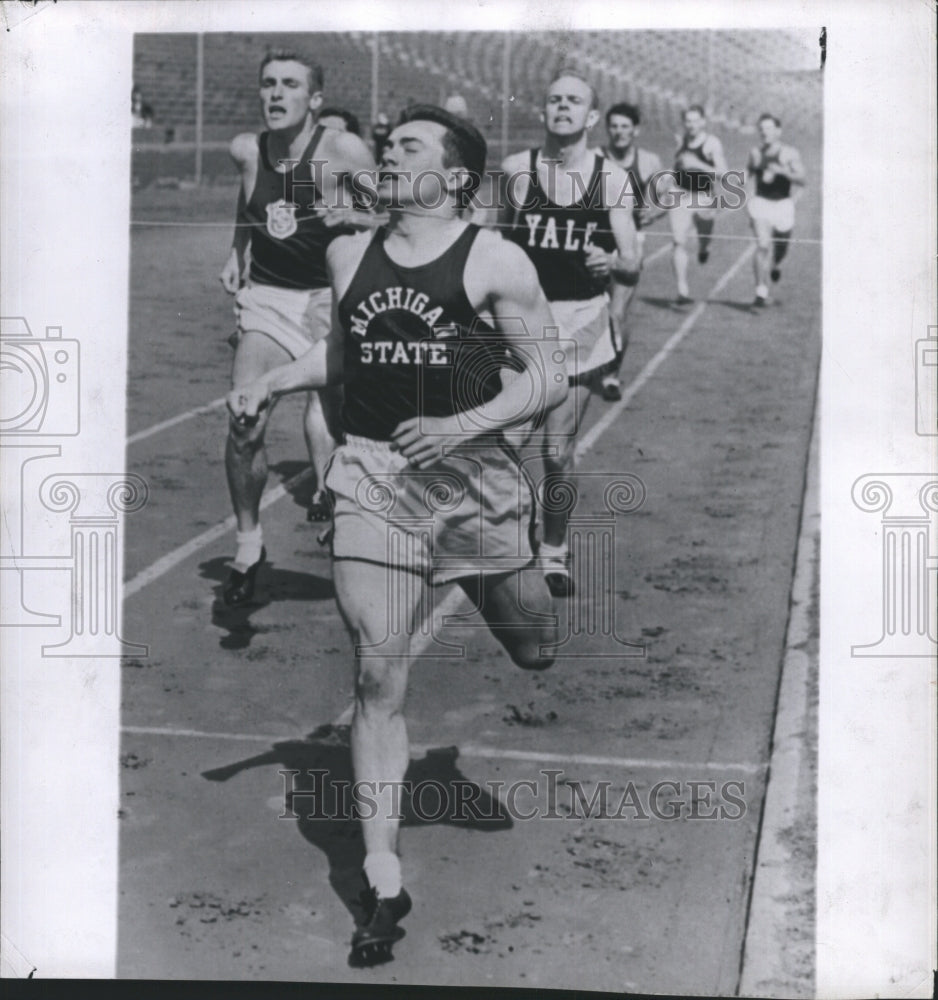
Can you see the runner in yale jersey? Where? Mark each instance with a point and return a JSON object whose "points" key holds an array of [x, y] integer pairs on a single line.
{"points": [[570, 209]]}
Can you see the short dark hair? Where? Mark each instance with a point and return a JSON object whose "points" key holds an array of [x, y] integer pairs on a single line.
{"points": [[629, 111], [313, 69], [351, 122], [463, 144], [765, 116], [577, 75], [698, 108]]}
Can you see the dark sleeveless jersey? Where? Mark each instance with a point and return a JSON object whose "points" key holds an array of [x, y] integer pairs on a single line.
{"points": [[288, 241], [698, 181], [779, 187], [556, 237], [413, 342]]}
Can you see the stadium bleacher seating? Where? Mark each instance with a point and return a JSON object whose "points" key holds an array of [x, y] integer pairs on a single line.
{"points": [[735, 74]]}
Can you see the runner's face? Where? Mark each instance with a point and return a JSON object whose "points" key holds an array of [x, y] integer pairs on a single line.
{"points": [[412, 170], [621, 131], [285, 94], [694, 124], [568, 109], [768, 131]]}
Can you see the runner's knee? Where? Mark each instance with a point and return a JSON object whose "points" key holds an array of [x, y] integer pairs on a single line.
{"points": [[380, 683], [246, 438]]}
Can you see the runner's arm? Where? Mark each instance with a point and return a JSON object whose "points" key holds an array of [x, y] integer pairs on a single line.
{"points": [[794, 170], [659, 183], [720, 166], [242, 146], [353, 179], [752, 165], [509, 188]]}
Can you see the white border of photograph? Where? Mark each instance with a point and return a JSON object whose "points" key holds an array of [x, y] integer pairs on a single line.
{"points": [[64, 79]]}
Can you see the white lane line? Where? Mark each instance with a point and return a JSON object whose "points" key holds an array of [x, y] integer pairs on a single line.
{"points": [[172, 559], [590, 437], [472, 750], [216, 404]]}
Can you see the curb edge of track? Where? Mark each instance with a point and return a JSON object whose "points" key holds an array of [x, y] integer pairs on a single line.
{"points": [[763, 971]]}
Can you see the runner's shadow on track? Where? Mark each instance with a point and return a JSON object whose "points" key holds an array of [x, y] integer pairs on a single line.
{"points": [[743, 307], [661, 303], [273, 584], [434, 791]]}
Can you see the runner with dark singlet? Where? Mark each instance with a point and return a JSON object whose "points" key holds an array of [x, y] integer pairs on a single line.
{"points": [[283, 305], [775, 179], [425, 311], [623, 124], [570, 210], [699, 165]]}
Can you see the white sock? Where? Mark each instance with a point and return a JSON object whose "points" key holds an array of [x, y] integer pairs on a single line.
{"points": [[383, 871], [250, 544], [762, 291]]}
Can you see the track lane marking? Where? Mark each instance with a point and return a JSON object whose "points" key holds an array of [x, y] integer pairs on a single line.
{"points": [[590, 437], [163, 425], [473, 750], [172, 559]]}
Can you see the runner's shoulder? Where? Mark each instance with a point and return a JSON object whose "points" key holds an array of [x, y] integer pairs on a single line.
{"points": [[502, 266], [517, 162], [648, 162], [345, 147], [243, 147], [345, 249]]}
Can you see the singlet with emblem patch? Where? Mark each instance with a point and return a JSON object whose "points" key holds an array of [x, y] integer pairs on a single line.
{"points": [[413, 341], [779, 187], [555, 237], [695, 180], [288, 241]]}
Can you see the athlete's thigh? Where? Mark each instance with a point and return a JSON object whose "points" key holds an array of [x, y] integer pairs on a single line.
{"points": [[379, 604], [255, 355]]}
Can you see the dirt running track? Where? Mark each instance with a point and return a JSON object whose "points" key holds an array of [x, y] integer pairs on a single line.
{"points": [[215, 885]]}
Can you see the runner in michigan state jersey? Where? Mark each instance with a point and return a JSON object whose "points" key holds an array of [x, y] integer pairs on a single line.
{"points": [[428, 311]]}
